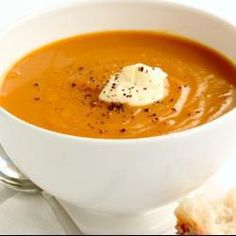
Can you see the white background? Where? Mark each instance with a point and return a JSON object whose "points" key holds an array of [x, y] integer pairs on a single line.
{"points": [[23, 214]]}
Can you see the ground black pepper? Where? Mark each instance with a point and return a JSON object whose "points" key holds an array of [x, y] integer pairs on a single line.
{"points": [[141, 69], [36, 99], [155, 119], [93, 103], [113, 85], [101, 131], [87, 96], [118, 107], [92, 79]]}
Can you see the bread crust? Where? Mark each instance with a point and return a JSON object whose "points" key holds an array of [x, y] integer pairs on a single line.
{"points": [[202, 216]]}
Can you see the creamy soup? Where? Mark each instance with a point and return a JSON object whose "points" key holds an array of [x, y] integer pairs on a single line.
{"points": [[57, 87]]}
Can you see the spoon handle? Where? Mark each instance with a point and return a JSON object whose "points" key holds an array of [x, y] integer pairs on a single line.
{"points": [[63, 217]]}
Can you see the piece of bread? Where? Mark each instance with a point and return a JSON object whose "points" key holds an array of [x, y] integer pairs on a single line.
{"points": [[202, 216]]}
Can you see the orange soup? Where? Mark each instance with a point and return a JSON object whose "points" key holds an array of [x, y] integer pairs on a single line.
{"points": [[57, 87]]}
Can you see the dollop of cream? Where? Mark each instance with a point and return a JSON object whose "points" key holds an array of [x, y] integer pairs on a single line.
{"points": [[136, 85]]}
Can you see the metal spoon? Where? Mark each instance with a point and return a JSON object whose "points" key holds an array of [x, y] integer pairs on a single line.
{"points": [[14, 179]]}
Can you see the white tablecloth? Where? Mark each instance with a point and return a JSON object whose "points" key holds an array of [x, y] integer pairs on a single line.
{"points": [[24, 214]]}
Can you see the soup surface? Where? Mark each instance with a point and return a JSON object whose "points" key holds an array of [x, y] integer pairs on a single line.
{"points": [[57, 87]]}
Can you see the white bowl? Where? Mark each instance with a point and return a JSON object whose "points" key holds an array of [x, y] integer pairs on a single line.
{"points": [[117, 178]]}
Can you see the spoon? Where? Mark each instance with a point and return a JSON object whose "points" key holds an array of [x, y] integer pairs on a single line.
{"points": [[13, 178]]}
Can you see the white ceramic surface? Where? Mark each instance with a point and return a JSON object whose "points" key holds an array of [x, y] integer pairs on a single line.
{"points": [[118, 179]]}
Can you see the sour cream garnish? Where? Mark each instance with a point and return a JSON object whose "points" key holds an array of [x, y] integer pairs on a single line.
{"points": [[136, 85]]}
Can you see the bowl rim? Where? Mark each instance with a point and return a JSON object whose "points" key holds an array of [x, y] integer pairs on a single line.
{"points": [[168, 3]]}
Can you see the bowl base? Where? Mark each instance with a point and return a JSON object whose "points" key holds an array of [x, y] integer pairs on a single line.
{"points": [[156, 222]]}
